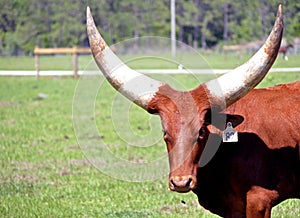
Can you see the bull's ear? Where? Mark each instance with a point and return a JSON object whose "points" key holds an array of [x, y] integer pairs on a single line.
{"points": [[234, 119], [221, 119]]}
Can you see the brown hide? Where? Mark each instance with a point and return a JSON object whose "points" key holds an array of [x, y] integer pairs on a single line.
{"points": [[272, 113], [262, 169], [182, 118], [284, 49], [244, 178]]}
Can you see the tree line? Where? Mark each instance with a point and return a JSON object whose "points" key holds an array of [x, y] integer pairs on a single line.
{"points": [[199, 23]]}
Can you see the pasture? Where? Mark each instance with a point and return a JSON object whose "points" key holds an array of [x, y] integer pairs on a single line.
{"points": [[45, 172], [209, 60]]}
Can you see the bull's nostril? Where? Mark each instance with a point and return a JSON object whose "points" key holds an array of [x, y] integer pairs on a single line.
{"points": [[173, 183], [189, 183]]}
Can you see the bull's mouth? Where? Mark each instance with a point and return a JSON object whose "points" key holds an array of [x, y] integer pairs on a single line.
{"points": [[180, 189]]}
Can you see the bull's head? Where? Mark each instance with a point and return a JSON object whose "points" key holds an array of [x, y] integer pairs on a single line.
{"points": [[185, 116]]}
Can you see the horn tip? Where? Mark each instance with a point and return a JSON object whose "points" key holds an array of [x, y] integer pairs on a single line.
{"points": [[279, 18], [279, 12], [88, 11], [90, 20]]}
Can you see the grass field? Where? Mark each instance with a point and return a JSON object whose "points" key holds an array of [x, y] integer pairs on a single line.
{"points": [[45, 172], [158, 61]]}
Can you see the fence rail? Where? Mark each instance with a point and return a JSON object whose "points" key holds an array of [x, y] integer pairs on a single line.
{"points": [[49, 51]]}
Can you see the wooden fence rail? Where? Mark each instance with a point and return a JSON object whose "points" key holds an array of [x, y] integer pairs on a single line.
{"points": [[49, 51]]}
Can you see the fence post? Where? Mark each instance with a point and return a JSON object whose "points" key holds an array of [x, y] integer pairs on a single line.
{"points": [[37, 62], [75, 62]]}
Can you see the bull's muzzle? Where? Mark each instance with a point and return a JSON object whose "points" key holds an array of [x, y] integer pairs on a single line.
{"points": [[182, 183]]}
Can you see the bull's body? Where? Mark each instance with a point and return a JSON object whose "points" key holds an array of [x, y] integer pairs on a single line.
{"points": [[263, 167], [284, 50], [245, 178]]}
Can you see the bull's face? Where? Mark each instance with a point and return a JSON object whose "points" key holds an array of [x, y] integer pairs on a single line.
{"points": [[185, 133], [187, 123], [184, 114]]}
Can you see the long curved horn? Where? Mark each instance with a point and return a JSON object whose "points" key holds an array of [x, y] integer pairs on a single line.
{"points": [[228, 88], [135, 86]]}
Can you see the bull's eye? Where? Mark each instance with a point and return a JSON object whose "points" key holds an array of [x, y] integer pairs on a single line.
{"points": [[165, 134], [202, 132]]}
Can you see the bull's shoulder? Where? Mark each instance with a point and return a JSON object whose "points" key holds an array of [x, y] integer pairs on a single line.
{"points": [[263, 100], [271, 113]]}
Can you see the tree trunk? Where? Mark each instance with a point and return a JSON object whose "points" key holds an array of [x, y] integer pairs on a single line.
{"points": [[136, 32], [196, 22], [181, 30], [225, 30], [203, 28], [203, 40], [1, 46], [136, 29], [263, 13]]}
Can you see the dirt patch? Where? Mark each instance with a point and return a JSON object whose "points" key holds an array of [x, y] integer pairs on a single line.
{"points": [[32, 178], [7, 103], [24, 171]]}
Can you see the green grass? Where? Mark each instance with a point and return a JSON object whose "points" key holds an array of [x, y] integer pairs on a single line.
{"points": [[58, 62], [45, 173], [153, 61]]}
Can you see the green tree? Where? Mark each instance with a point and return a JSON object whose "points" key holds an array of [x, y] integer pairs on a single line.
{"points": [[9, 14], [61, 23], [292, 18]]}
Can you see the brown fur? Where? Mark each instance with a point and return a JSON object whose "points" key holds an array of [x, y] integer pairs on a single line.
{"points": [[246, 178], [284, 50]]}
